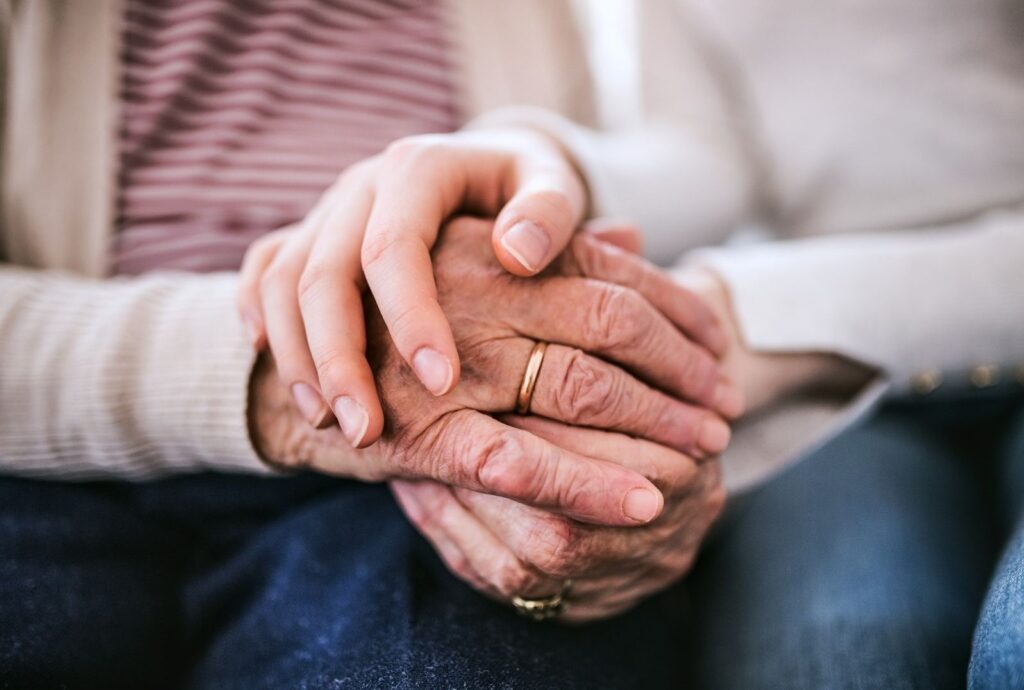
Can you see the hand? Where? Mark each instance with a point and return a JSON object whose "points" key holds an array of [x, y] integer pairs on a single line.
{"points": [[496, 319], [505, 549], [766, 377], [302, 290]]}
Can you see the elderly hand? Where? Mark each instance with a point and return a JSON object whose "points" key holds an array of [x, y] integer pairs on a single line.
{"points": [[505, 549], [496, 319], [303, 290]]}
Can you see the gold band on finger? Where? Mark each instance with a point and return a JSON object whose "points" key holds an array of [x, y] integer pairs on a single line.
{"points": [[530, 377], [544, 608]]}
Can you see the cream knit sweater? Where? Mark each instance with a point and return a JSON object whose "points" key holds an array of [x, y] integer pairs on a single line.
{"points": [[884, 139]]}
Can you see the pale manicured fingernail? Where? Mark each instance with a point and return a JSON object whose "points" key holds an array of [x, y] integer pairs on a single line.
{"points": [[310, 404], [352, 419], [714, 435], [434, 370], [528, 243], [641, 505], [728, 400]]}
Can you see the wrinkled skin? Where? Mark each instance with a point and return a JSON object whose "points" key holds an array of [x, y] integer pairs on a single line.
{"points": [[564, 481], [503, 548]]}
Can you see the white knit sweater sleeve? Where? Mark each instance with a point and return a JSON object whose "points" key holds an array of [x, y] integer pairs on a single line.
{"points": [[947, 299], [129, 378], [942, 302], [681, 170]]}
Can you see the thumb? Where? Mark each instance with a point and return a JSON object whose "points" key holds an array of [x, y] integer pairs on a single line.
{"points": [[539, 220]]}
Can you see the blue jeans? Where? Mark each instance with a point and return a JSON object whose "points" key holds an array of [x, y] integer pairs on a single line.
{"points": [[869, 565]]}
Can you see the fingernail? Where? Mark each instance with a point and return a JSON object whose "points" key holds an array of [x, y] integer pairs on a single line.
{"points": [[528, 243], [352, 419], [641, 505], [728, 399], [714, 435], [310, 404], [434, 370]]}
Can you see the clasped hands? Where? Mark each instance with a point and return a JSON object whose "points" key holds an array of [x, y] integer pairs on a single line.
{"points": [[612, 480]]}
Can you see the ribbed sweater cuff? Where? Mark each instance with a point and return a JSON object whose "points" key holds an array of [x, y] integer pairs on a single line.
{"points": [[194, 384]]}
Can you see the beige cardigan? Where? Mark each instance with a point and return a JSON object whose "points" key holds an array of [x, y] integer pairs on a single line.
{"points": [[142, 377], [898, 153]]}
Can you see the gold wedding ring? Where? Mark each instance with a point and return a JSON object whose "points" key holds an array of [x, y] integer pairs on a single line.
{"points": [[544, 608], [533, 366]]}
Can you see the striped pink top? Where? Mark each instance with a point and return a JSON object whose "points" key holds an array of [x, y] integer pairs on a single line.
{"points": [[237, 114]]}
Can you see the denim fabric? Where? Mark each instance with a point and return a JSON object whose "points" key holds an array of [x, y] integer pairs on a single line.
{"points": [[998, 658], [863, 567], [230, 582]]}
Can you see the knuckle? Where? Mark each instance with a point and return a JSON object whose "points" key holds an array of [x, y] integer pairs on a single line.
{"points": [[331, 367], [496, 463], [447, 515], [423, 520], [312, 281], [511, 578], [407, 318], [274, 278], [616, 318], [260, 246], [554, 547], [413, 151], [376, 245], [357, 170], [459, 564], [382, 243], [504, 468], [586, 393]]}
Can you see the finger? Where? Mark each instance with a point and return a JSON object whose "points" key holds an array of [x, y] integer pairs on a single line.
{"points": [[620, 324], [247, 297], [688, 488], [400, 232], [285, 333], [579, 389], [596, 259], [445, 519], [561, 548], [602, 559], [475, 451], [564, 548], [541, 217], [331, 303], [671, 471], [552, 544], [423, 515], [619, 233]]}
